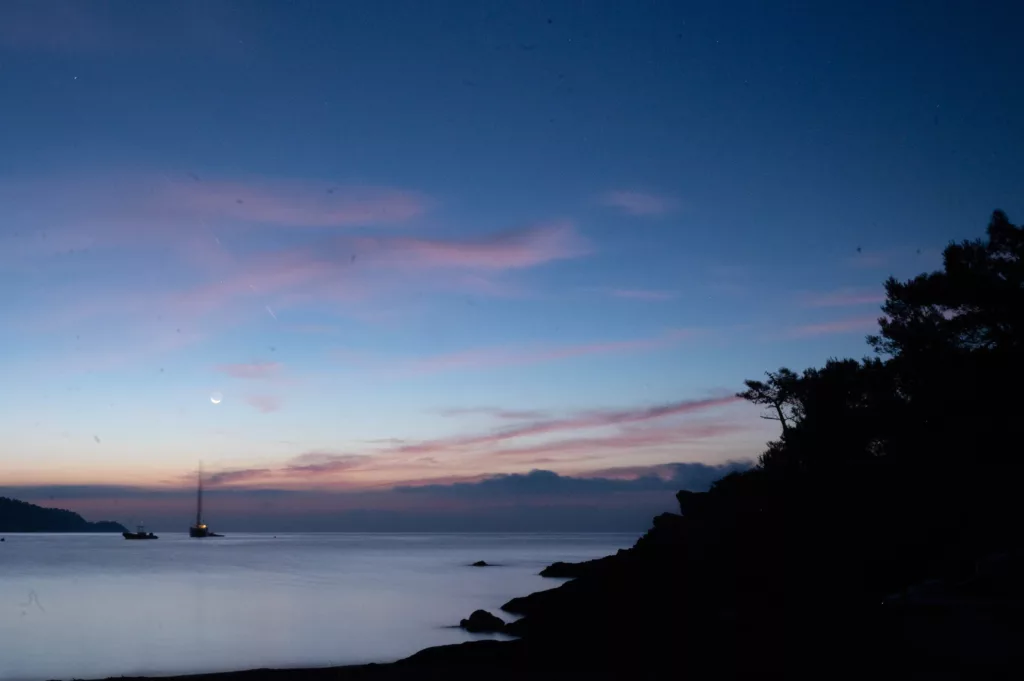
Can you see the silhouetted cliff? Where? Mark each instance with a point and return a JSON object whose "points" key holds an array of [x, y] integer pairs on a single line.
{"points": [[20, 516]]}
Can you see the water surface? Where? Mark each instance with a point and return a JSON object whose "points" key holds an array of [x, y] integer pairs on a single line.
{"points": [[90, 606]]}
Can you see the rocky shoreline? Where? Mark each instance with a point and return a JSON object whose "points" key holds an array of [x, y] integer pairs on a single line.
{"points": [[717, 593]]}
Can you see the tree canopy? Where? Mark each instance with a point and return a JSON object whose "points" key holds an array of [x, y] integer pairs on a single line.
{"points": [[945, 388], [914, 451]]}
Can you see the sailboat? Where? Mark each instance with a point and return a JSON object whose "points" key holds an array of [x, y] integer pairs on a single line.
{"points": [[200, 529]]}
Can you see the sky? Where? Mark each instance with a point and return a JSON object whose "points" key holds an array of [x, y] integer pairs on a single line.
{"points": [[413, 249]]}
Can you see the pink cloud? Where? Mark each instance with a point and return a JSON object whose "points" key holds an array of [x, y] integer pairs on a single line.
{"points": [[385, 467], [640, 203], [580, 421], [291, 202], [845, 297], [629, 439], [856, 324], [264, 403], [645, 434], [350, 270], [642, 294], [496, 412], [324, 462], [513, 249], [202, 221], [491, 357], [233, 476], [309, 464], [347, 270], [252, 370], [197, 218]]}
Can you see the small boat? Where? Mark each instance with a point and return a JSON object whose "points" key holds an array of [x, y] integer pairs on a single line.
{"points": [[139, 533], [200, 529]]}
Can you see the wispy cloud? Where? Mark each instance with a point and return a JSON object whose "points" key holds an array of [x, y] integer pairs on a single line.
{"points": [[310, 466], [198, 220], [571, 438], [513, 249], [642, 294], [580, 421], [295, 203], [497, 357], [234, 476], [865, 324], [351, 273], [844, 297], [640, 203], [625, 440], [251, 370], [496, 412], [323, 462], [264, 403]]}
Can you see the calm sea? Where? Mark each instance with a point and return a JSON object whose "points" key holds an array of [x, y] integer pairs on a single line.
{"points": [[88, 606]]}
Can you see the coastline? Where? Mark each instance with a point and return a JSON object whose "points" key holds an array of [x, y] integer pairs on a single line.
{"points": [[323, 625], [683, 601], [496, 659]]}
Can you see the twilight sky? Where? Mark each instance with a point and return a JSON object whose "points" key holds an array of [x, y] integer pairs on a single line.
{"points": [[419, 243]]}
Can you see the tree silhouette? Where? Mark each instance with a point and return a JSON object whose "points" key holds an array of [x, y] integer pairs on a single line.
{"points": [[975, 303], [778, 393], [934, 418], [888, 471]]}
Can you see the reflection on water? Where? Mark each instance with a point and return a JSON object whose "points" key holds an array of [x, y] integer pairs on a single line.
{"points": [[90, 606]]}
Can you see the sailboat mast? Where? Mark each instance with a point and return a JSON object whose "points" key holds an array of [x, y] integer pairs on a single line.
{"points": [[199, 498]]}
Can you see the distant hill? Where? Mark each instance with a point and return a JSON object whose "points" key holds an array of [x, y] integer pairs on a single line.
{"points": [[20, 516]]}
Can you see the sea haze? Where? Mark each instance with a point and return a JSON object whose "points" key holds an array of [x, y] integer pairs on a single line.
{"points": [[90, 606]]}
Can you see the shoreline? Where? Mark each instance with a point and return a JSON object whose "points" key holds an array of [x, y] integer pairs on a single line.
{"points": [[497, 659]]}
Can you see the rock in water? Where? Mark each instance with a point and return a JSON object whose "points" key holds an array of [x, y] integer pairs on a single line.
{"points": [[481, 622], [480, 563]]}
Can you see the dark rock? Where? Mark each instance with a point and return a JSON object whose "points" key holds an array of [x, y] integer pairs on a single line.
{"points": [[561, 569], [482, 621], [481, 563], [519, 627], [574, 570], [540, 601], [494, 660]]}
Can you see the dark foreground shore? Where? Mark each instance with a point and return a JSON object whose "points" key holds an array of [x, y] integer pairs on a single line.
{"points": [[473, 660], [721, 591]]}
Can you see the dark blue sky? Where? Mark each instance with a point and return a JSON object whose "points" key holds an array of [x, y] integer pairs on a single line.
{"points": [[413, 241]]}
